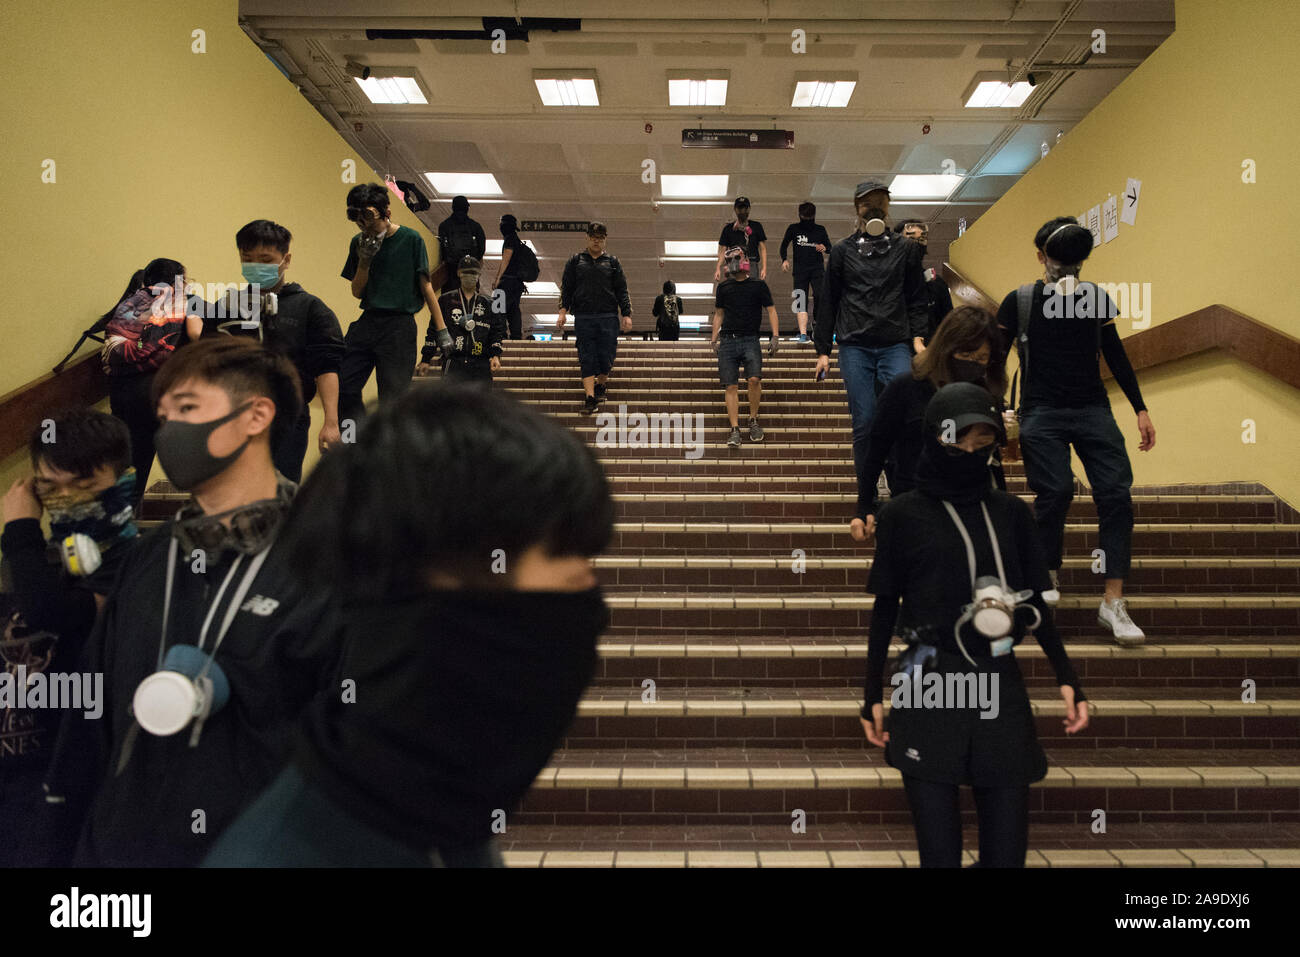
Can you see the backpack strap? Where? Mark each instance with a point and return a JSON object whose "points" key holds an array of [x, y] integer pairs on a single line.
{"points": [[1024, 310]]}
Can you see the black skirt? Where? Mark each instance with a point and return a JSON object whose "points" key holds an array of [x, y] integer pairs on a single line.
{"points": [[937, 731]]}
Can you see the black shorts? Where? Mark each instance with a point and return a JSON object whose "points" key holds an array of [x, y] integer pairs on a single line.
{"points": [[956, 745], [735, 351], [597, 338]]}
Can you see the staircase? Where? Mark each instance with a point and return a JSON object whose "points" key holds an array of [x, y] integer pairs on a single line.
{"points": [[722, 726]]}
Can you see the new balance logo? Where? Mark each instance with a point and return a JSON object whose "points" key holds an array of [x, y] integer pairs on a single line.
{"points": [[260, 606]]}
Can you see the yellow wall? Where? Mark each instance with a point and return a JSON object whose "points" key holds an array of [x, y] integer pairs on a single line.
{"points": [[159, 151], [1224, 88]]}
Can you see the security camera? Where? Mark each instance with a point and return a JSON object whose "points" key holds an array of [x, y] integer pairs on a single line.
{"points": [[352, 68]]}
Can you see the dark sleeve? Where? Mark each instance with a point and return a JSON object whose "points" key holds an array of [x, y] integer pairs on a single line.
{"points": [[886, 424], [717, 298], [1035, 569], [324, 340], [500, 332], [46, 598], [1117, 360], [420, 256], [430, 347], [884, 615], [620, 289], [787, 239], [918, 302], [566, 284], [1009, 319], [765, 299], [722, 237], [942, 301], [658, 308], [825, 238], [444, 234], [760, 234], [822, 331], [480, 243], [350, 267]]}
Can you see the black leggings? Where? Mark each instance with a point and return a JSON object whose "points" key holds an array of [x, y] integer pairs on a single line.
{"points": [[936, 815]]}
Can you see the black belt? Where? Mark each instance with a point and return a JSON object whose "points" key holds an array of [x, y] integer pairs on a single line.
{"points": [[738, 335]]}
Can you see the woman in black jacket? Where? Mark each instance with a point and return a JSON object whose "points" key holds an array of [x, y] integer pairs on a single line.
{"points": [[959, 570], [967, 347]]}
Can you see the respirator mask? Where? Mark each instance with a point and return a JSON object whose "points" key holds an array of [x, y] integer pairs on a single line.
{"points": [[993, 607], [249, 310], [735, 261], [875, 233], [83, 527]]}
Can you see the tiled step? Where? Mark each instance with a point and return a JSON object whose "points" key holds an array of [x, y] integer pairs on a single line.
{"points": [[741, 660], [767, 786]]}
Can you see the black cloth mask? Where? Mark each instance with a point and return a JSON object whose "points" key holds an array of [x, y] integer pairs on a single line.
{"points": [[461, 697], [960, 477], [183, 450], [968, 370]]}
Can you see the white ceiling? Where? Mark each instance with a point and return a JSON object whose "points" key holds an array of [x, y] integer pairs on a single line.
{"points": [[913, 60]]}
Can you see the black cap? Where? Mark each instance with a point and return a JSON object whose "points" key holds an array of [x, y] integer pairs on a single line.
{"points": [[962, 404], [867, 186], [741, 201], [468, 262]]}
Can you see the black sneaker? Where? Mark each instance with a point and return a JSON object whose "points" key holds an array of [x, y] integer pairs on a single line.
{"points": [[600, 392], [755, 430], [590, 404], [733, 439]]}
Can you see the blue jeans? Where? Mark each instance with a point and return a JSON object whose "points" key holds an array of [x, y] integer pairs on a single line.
{"points": [[1046, 435], [735, 351], [866, 370]]}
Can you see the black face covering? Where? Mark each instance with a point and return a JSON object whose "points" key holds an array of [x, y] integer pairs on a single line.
{"points": [[946, 472], [968, 370], [461, 697], [183, 450]]}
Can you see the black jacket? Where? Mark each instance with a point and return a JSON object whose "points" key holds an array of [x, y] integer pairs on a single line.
{"points": [[470, 235], [280, 653], [479, 343], [806, 236], [875, 300], [940, 302], [594, 286], [668, 331]]}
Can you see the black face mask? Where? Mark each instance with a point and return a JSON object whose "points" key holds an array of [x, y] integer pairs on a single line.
{"points": [[968, 370], [183, 450], [960, 477]]}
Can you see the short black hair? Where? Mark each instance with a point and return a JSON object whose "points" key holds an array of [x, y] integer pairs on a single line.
{"points": [[263, 232], [83, 440], [807, 211], [369, 194], [1070, 243], [440, 479]]}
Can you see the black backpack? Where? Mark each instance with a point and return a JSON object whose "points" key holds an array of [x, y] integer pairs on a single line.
{"points": [[460, 242], [669, 320], [528, 269]]}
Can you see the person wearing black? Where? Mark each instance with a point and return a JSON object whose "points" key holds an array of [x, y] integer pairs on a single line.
{"points": [[935, 288], [1060, 326], [810, 244], [388, 267], [875, 306], [508, 279], [667, 311], [297, 325], [950, 544], [476, 331], [84, 480], [749, 236], [737, 321], [594, 289], [459, 236], [461, 528], [967, 348], [206, 603]]}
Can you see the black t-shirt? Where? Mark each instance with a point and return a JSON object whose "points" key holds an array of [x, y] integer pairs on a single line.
{"points": [[806, 236], [742, 302], [512, 242], [731, 236]]}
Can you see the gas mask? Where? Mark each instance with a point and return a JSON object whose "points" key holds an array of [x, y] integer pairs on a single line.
{"points": [[83, 527], [993, 606], [736, 262], [189, 688], [249, 310]]}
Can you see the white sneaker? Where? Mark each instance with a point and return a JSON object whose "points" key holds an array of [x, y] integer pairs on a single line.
{"points": [[1053, 594], [1114, 615]]}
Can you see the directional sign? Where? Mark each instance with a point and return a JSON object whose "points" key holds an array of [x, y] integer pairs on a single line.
{"points": [[553, 225], [738, 139], [1109, 220], [1128, 209]]}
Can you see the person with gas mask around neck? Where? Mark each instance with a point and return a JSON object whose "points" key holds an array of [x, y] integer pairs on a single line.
{"points": [[477, 332], [875, 306], [958, 570], [810, 244], [749, 235], [739, 304], [210, 643], [461, 527], [49, 598], [594, 289], [935, 288], [459, 236], [967, 347], [1060, 327], [287, 319], [388, 267]]}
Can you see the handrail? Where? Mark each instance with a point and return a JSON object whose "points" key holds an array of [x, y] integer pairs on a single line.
{"points": [[1212, 327], [81, 383]]}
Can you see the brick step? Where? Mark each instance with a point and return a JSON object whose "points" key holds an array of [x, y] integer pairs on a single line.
{"points": [[843, 614], [766, 786], [826, 412], [866, 845], [826, 540], [768, 576], [780, 664], [652, 391]]}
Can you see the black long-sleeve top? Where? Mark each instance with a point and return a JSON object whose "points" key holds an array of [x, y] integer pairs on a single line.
{"points": [[1063, 372], [594, 286], [920, 563], [877, 299], [482, 340], [806, 235]]}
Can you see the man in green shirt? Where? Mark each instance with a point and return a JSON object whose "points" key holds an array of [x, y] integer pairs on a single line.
{"points": [[388, 266]]}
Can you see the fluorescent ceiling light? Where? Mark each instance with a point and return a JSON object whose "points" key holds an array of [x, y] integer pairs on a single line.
{"points": [[548, 318], [923, 186], [392, 89], [695, 288], [693, 322], [578, 91], [699, 186], [690, 247], [464, 184], [823, 92], [542, 289], [494, 248], [703, 92], [994, 93]]}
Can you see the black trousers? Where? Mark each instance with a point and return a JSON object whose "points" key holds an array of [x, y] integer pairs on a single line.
{"points": [[936, 816], [382, 342], [130, 400], [513, 287]]}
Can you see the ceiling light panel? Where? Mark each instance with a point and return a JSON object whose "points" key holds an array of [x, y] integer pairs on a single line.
{"points": [[464, 184], [700, 187]]}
